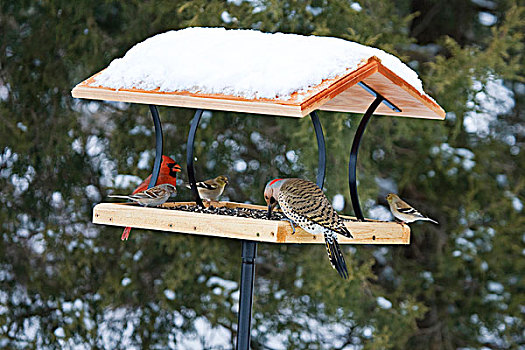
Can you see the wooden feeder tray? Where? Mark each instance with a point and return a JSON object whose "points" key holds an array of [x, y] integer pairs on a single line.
{"points": [[246, 228]]}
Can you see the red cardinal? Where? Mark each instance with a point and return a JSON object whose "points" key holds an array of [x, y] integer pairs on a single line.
{"points": [[167, 175]]}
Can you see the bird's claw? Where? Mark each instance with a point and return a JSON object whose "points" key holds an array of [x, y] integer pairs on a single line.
{"points": [[291, 223]]}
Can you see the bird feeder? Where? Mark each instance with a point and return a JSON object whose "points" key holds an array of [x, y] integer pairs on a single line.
{"points": [[369, 81]]}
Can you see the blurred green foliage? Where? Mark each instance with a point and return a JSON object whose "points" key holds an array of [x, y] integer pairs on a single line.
{"points": [[65, 282]]}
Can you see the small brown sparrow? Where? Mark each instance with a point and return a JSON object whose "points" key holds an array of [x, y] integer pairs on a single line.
{"points": [[152, 197]]}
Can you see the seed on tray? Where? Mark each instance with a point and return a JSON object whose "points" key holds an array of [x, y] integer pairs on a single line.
{"points": [[238, 212]]}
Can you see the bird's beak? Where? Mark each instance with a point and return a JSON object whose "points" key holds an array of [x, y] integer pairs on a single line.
{"points": [[174, 167], [271, 204]]}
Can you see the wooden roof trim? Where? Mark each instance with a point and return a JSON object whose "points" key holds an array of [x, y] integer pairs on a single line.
{"points": [[423, 98], [187, 100], [339, 85]]}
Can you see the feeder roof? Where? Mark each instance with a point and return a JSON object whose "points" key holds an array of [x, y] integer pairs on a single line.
{"points": [[254, 72]]}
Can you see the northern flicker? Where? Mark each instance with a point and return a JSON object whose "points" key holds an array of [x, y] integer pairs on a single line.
{"points": [[305, 204], [404, 211]]}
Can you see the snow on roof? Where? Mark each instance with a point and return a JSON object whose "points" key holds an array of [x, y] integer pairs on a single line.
{"points": [[244, 63]]}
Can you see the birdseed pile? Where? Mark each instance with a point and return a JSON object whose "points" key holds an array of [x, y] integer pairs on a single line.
{"points": [[238, 212]]}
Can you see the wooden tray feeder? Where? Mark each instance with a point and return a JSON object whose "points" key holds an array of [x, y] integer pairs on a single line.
{"points": [[370, 87]]}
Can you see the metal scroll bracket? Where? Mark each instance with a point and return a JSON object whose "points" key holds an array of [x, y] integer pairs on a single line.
{"points": [[158, 146], [352, 164], [321, 149], [189, 156]]}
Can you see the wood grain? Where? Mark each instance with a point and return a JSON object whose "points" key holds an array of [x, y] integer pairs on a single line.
{"points": [[124, 214]]}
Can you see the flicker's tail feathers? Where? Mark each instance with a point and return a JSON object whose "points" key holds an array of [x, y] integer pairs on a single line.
{"points": [[335, 255]]}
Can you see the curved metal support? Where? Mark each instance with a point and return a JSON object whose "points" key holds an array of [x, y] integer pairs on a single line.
{"points": [[352, 164], [158, 146], [189, 156], [321, 149]]}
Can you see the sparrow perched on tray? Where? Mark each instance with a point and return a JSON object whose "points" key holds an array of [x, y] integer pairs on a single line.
{"points": [[167, 175], [404, 211], [152, 197]]}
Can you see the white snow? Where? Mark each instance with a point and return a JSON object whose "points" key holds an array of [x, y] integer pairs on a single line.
{"points": [[240, 165], [356, 6], [225, 284], [92, 193], [367, 332], [384, 303], [517, 204], [487, 19], [56, 200], [338, 202], [125, 181], [226, 17], [245, 63], [379, 212], [492, 99], [144, 160], [4, 92], [169, 294], [21, 126], [59, 332], [495, 287]]}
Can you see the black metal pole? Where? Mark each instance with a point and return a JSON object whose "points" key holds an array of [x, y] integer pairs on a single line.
{"points": [[352, 164], [321, 149], [158, 146], [244, 321], [189, 156]]}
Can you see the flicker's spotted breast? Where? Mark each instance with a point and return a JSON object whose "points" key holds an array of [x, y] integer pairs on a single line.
{"points": [[306, 204]]}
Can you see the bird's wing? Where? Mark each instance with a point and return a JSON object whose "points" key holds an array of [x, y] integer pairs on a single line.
{"points": [[204, 184], [309, 201], [410, 211], [207, 185], [149, 193]]}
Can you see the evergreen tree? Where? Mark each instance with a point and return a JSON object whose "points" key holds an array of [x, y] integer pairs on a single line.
{"points": [[66, 282]]}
